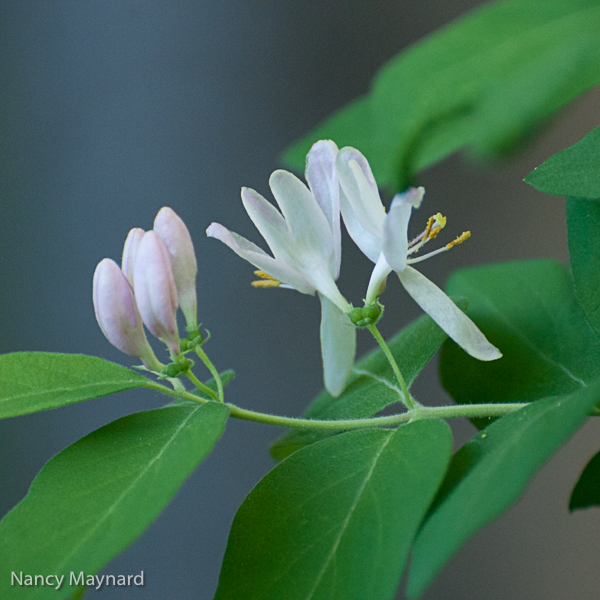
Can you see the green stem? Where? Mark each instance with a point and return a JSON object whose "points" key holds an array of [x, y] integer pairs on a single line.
{"points": [[408, 401], [201, 386], [421, 412], [204, 358]]}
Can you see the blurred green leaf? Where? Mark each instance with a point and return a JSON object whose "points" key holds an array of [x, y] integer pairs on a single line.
{"points": [[485, 81], [372, 386], [34, 381], [336, 519], [489, 473], [527, 309], [574, 171], [583, 224], [97, 496], [586, 492]]}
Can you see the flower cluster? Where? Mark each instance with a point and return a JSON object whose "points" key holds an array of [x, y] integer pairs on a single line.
{"points": [[305, 241], [157, 276]]}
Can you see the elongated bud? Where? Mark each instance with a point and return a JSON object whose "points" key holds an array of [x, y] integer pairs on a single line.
{"points": [[155, 291], [117, 314], [176, 238], [129, 251]]}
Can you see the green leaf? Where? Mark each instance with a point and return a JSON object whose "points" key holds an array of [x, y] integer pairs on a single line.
{"points": [[336, 519], [97, 496], [34, 381], [489, 473], [485, 81], [586, 492], [372, 386], [583, 224], [528, 310], [574, 171]]}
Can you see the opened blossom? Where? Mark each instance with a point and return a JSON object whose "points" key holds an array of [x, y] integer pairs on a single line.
{"points": [[383, 238], [306, 245]]}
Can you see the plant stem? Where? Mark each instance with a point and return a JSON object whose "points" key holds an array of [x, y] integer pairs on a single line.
{"points": [[421, 412], [201, 386], [204, 358], [407, 400]]}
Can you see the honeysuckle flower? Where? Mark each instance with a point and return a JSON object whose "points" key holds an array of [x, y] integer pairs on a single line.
{"points": [[384, 239], [155, 291], [176, 238], [117, 313], [306, 245]]}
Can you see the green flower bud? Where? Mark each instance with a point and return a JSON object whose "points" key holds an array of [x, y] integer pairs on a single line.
{"points": [[356, 315]]}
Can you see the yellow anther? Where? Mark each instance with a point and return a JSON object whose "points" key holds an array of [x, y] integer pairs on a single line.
{"points": [[266, 281], [460, 239], [438, 222]]}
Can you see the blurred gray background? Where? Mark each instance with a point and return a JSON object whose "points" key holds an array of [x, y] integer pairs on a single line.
{"points": [[110, 110]]}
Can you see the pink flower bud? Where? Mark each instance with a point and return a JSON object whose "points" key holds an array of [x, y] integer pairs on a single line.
{"points": [[155, 291], [117, 313], [129, 251], [176, 238]]}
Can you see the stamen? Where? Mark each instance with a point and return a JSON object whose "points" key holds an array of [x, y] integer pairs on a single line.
{"points": [[266, 281], [460, 239], [434, 225]]}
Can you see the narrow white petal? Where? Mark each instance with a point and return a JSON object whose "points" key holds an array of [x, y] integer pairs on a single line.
{"points": [[338, 346], [369, 244], [412, 196], [260, 259], [308, 225], [358, 183], [447, 315], [395, 234], [322, 179]]}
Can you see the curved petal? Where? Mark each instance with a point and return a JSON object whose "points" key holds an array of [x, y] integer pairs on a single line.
{"points": [[260, 259], [378, 279], [447, 315], [395, 234], [322, 179], [358, 183], [338, 346], [369, 244], [308, 225]]}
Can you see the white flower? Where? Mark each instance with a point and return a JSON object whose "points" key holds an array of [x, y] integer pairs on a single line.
{"points": [[306, 245], [384, 239]]}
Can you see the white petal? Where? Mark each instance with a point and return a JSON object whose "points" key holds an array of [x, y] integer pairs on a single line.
{"points": [[338, 346], [447, 315], [358, 183], [269, 222], [129, 251], [322, 179], [412, 196], [395, 234], [260, 259], [308, 225], [369, 244]]}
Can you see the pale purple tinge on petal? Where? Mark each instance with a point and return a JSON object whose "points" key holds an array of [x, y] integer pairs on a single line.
{"points": [[447, 315], [323, 182], [360, 188], [117, 314], [129, 251], [310, 232], [412, 196], [260, 259], [338, 346], [178, 243], [155, 291], [395, 234]]}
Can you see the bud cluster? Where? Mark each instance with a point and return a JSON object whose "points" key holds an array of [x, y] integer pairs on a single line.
{"points": [[157, 276]]}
